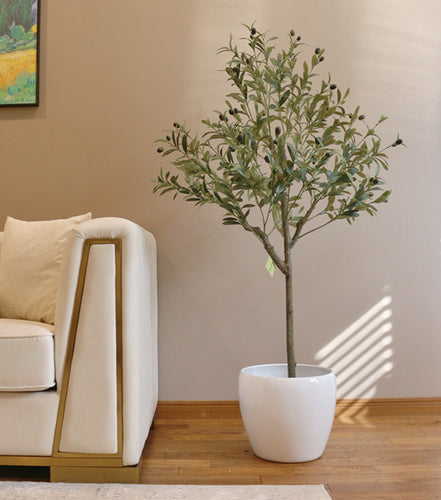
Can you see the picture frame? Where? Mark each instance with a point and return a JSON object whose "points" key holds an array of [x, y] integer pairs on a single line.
{"points": [[19, 52]]}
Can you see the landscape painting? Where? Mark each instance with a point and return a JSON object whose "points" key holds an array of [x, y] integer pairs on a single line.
{"points": [[19, 52]]}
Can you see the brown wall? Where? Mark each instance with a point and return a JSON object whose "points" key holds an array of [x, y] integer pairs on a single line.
{"points": [[115, 74]]}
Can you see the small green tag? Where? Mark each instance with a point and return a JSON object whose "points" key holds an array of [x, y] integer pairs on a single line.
{"points": [[270, 266]]}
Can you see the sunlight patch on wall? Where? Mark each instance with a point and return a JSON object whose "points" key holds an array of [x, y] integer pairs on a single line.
{"points": [[361, 355]]}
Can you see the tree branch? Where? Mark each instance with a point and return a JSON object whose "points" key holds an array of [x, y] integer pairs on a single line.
{"points": [[302, 222], [262, 237], [316, 228]]}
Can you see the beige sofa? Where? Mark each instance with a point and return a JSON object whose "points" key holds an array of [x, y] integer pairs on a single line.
{"points": [[79, 396]]}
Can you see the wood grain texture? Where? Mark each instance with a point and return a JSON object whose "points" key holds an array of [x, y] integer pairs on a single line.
{"points": [[378, 449]]}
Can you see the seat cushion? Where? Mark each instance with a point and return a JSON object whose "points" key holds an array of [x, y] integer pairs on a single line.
{"points": [[26, 356]]}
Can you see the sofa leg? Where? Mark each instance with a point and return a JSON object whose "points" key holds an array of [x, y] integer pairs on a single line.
{"points": [[95, 474]]}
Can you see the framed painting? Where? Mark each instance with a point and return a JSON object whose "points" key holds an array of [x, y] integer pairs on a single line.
{"points": [[19, 52]]}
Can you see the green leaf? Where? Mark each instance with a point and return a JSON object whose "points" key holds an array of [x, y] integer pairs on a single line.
{"points": [[383, 198], [230, 221], [330, 205], [292, 152], [284, 97], [305, 71]]}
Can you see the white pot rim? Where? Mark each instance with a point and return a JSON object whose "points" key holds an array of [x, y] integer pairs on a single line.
{"points": [[313, 371]]}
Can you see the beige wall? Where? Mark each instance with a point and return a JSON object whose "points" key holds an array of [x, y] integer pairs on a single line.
{"points": [[114, 74]]}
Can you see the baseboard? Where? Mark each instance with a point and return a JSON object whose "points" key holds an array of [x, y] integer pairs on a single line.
{"points": [[197, 409], [360, 407]]}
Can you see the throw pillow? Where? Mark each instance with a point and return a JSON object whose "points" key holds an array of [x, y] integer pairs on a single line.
{"points": [[30, 261]]}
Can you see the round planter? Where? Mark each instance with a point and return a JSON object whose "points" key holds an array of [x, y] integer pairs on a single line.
{"points": [[287, 419]]}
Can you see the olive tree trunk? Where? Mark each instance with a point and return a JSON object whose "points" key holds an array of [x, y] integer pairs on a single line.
{"points": [[290, 326], [288, 289]]}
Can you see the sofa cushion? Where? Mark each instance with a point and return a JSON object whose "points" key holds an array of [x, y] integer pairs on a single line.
{"points": [[26, 356], [30, 258]]}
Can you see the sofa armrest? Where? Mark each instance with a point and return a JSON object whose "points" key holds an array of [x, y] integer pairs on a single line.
{"points": [[123, 254]]}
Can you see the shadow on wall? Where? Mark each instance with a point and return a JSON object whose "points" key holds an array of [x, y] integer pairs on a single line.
{"points": [[360, 356]]}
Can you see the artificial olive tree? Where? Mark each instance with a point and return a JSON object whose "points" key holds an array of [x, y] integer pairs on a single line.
{"points": [[283, 158]]}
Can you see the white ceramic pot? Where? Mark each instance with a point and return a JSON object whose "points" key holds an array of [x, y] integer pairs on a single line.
{"points": [[287, 419]]}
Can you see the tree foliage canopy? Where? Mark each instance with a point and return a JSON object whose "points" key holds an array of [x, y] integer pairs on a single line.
{"points": [[284, 147]]}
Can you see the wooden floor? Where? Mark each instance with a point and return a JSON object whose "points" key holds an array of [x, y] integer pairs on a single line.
{"points": [[386, 450], [377, 450]]}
